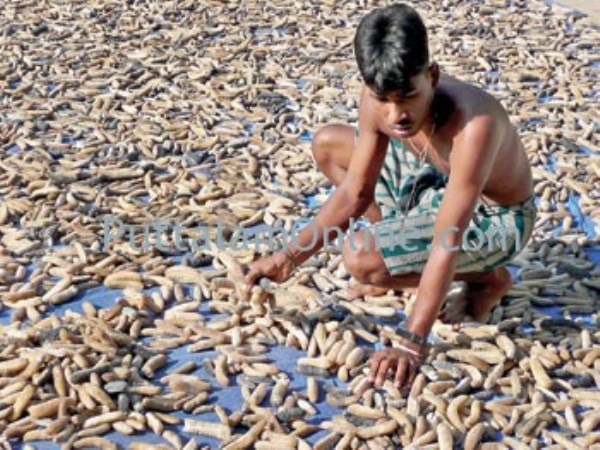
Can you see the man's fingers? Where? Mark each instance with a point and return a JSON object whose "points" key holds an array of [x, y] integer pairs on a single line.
{"points": [[250, 278], [374, 363], [400, 373], [382, 372], [412, 374]]}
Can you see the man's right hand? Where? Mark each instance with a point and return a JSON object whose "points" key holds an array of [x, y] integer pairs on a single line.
{"points": [[277, 267]]}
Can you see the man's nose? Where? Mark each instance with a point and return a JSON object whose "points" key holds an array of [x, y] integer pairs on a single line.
{"points": [[396, 114]]}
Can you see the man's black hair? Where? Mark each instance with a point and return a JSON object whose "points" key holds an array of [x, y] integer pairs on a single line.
{"points": [[391, 47]]}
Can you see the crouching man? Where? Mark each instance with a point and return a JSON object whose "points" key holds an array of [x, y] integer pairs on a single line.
{"points": [[434, 165]]}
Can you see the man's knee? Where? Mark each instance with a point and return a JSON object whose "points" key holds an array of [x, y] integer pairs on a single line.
{"points": [[323, 141], [361, 257]]}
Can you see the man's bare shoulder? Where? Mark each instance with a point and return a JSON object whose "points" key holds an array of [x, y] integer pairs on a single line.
{"points": [[471, 103], [481, 130]]}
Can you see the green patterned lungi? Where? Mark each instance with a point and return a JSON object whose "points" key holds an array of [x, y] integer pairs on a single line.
{"points": [[494, 236]]}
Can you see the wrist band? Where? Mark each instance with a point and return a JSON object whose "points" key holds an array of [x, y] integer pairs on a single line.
{"points": [[412, 337], [408, 350]]}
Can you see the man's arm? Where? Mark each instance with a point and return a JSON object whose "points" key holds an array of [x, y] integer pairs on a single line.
{"points": [[352, 197], [470, 166]]}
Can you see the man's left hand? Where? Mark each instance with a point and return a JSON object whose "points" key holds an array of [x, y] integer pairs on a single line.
{"points": [[404, 364]]}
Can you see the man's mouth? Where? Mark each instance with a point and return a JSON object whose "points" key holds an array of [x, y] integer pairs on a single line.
{"points": [[402, 128]]}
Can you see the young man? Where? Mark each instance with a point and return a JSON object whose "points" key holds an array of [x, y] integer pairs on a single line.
{"points": [[433, 157]]}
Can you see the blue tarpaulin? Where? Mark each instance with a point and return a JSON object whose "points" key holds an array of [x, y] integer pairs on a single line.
{"points": [[230, 397]]}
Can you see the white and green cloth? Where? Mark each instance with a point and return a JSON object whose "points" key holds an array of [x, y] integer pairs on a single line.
{"points": [[410, 194]]}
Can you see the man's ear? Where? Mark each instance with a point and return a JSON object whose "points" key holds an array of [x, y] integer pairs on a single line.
{"points": [[434, 73]]}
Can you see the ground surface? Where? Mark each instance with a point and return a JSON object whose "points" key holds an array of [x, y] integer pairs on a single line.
{"points": [[198, 111], [590, 7]]}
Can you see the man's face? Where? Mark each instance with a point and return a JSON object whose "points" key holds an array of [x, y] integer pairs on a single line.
{"points": [[406, 112]]}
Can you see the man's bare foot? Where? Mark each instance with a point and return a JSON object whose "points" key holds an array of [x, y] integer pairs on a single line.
{"points": [[482, 297], [360, 290], [475, 300], [454, 309]]}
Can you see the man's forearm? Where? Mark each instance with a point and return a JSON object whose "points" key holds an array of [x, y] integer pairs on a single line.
{"points": [[336, 212], [433, 287]]}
